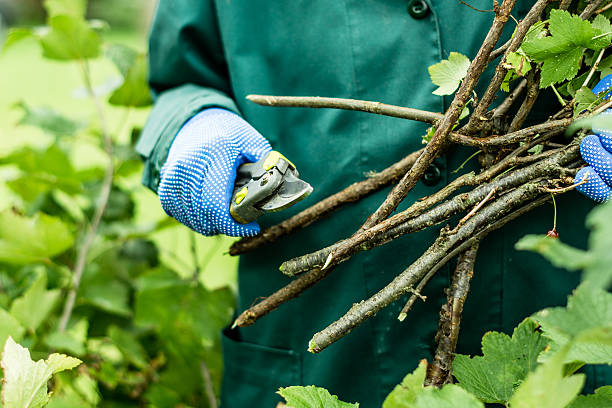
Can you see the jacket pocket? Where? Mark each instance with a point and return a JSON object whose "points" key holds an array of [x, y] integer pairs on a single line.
{"points": [[253, 373]]}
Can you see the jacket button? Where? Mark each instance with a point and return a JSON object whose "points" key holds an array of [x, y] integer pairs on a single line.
{"points": [[432, 175], [418, 9]]}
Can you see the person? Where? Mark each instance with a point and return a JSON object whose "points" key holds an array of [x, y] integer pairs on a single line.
{"points": [[206, 56]]}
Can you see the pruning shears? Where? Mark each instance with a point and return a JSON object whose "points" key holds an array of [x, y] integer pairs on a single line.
{"points": [[268, 185]]}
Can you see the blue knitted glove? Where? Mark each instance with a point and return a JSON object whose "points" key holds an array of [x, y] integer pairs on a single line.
{"points": [[596, 151], [198, 178]]}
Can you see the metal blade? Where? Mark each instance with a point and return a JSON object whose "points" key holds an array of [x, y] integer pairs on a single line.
{"points": [[290, 192]]}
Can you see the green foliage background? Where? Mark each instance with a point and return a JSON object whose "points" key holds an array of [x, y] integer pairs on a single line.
{"points": [[153, 296]]}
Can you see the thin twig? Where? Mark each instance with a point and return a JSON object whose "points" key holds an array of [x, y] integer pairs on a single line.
{"points": [[209, 390], [500, 72], [503, 107], [533, 90], [512, 137], [584, 180], [594, 68], [105, 191], [440, 370], [604, 8], [477, 207], [591, 9], [347, 104]]}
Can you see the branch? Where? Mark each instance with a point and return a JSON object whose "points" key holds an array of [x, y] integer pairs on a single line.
{"points": [[439, 371], [512, 137], [414, 218], [354, 192], [347, 104], [531, 18], [292, 290], [591, 9], [445, 126], [503, 210], [105, 191], [533, 90]]}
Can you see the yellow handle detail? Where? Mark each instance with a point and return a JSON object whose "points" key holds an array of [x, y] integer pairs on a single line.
{"points": [[241, 194], [273, 158]]}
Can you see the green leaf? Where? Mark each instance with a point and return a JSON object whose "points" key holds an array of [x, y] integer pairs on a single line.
{"points": [[128, 345], [14, 36], [49, 120], [561, 52], [447, 74], [36, 304], [449, 396], [74, 8], [25, 381], [72, 340], [603, 28], [70, 38], [505, 363], [517, 62], [597, 260], [601, 399], [134, 91], [108, 295], [168, 304], [312, 397], [9, 326], [546, 387], [585, 100], [591, 122], [122, 56], [558, 253], [39, 238], [584, 327], [405, 394], [599, 272]]}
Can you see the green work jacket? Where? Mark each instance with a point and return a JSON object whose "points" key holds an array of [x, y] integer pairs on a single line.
{"points": [[215, 52]]}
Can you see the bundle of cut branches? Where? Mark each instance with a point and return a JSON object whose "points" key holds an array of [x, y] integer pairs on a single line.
{"points": [[515, 177]]}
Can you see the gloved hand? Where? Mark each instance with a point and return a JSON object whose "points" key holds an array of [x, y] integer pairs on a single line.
{"points": [[596, 151], [198, 177]]}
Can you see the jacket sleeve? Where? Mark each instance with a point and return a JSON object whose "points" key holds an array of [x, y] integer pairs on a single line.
{"points": [[188, 73]]}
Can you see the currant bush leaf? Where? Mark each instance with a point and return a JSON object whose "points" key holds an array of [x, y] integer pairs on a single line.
{"points": [[555, 251], [586, 100], [70, 38], [604, 31], [25, 381], [505, 363], [405, 393], [48, 119], [40, 237], [447, 74], [547, 387], [602, 398], [449, 396], [597, 260], [14, 36], [584, 326], [36, 304], [561, 52], [75, 8], [599, 271], [9, 326], [134, 91], [312, 397]]}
